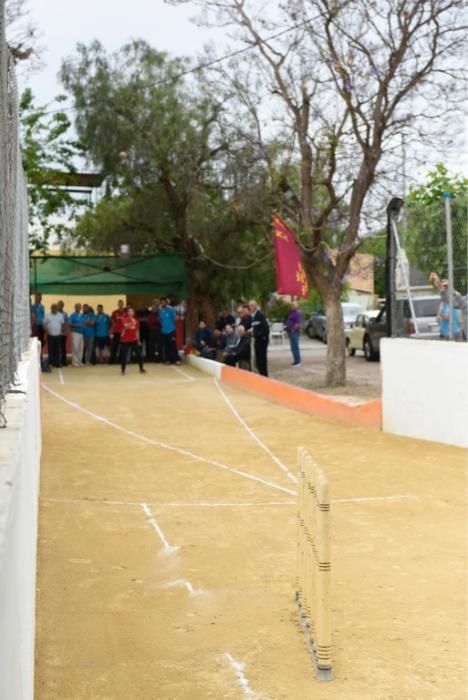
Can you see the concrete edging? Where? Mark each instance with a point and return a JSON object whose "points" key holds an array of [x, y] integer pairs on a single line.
{"points": [[297, 398], [19, 491]]}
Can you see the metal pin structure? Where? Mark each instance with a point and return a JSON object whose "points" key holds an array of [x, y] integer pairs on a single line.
{"points": [[313, 563]]}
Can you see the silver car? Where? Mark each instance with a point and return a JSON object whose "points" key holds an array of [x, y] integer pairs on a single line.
{"points": [[317, 324], [425, 309]]}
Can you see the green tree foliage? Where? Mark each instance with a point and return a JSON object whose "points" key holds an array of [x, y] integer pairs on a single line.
{"points": [[175, 179], [426, 243], [47, 147], [377, 246]]}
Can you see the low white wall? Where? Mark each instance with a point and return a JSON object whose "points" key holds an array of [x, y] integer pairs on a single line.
{"points": [[208, 366], [425, 389], [20, 448]]}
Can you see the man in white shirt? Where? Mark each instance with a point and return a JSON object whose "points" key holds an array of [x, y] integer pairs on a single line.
{"points": [[53, 324], [64, 334]]}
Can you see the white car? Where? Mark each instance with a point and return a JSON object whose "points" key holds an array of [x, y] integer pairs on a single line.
{"points": [[355, 335]]}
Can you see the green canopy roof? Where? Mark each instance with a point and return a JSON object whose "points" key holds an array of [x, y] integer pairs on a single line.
{"points": [[138, 274]]}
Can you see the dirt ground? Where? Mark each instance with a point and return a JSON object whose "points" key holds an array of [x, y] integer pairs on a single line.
{"points": [[166, 556], [363, 378]]}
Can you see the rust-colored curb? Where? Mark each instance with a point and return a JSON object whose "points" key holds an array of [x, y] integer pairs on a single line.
{"points": [[368, 414]]}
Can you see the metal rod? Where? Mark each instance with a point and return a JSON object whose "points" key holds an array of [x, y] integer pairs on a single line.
{"points": [[448, 227], [405, 276]]}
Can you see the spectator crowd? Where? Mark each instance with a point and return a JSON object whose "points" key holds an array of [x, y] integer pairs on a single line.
{"points": [[98, 337], [154, 334]]}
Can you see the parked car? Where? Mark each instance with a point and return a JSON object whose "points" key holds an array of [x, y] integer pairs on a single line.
{"points": [[355, 335], [317, 324], [425, 309]]}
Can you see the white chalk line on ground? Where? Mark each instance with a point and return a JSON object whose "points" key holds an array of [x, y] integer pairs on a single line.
{"points": [[135, 504], [183, 373], [168, 548], [185, 584], [60, 373], [135, 380], [220, 504], [238, 669], [365, 499], [253, 434], [172, 448]]}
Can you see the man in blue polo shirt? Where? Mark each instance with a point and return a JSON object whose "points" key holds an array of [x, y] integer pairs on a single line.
{"points": [[89, 323], [77, 330], [37, 318], [167, 316], [102, 332]]}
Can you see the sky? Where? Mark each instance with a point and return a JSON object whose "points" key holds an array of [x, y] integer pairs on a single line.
{"points": [[63, 24], [166, 27]]}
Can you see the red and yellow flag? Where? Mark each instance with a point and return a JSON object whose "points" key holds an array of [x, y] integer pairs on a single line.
{"points": [[290, 274]]}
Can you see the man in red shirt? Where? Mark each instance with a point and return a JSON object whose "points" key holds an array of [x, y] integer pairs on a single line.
{"points": [[130, 340], [115, 330]]}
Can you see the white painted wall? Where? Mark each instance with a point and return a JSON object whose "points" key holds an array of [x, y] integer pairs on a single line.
{"points": [[204, 365], [425, 389], [20, 448]]}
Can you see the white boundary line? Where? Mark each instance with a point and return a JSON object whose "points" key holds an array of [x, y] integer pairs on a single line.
{"points": [[253, 435], [167, 548], [183, 373], [60, 373], [205, 504], [143, 438], [238, 668], [367, 499], [134, 504], [186, 584]]}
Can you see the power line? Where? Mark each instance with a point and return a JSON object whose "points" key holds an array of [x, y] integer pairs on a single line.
{"points": [[215, 61]]}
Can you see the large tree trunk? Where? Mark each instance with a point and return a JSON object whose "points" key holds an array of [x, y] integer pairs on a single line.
{"points": [[336, 355], [322, 271]]}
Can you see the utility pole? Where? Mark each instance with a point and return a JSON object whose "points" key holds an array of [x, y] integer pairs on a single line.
{"points": [[448, 225], [393, 211]]}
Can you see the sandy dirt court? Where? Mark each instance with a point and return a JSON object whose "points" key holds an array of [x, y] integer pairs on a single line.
{"points": [[167, 548]]}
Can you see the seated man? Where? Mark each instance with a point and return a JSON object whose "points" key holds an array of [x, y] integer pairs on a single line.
{"points": [[219, 345], [204, 341], [240, 353]]}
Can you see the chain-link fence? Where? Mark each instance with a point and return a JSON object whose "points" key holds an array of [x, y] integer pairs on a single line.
{"points": [[425, 240], [14, 267], [435, 240]]}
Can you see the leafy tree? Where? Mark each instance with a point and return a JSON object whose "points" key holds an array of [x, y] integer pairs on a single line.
{"points": [[342, 79], [47, 147], [22, 33], [426, 241], [173, 181]]}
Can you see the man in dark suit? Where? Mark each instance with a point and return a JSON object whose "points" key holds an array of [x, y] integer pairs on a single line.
{"points": [[241, 351], [260, 331]]}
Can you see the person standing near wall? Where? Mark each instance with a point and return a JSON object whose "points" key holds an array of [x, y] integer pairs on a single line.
{"points": [[89, 322], [77, 333], [260, 331], [53, 324], [102, 332], [115, 330], [37, 318], [293, 329], [63, 337], [167, 317]]}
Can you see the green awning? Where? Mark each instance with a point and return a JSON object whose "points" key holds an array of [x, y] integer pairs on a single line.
{"points": [[138, 274]]}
